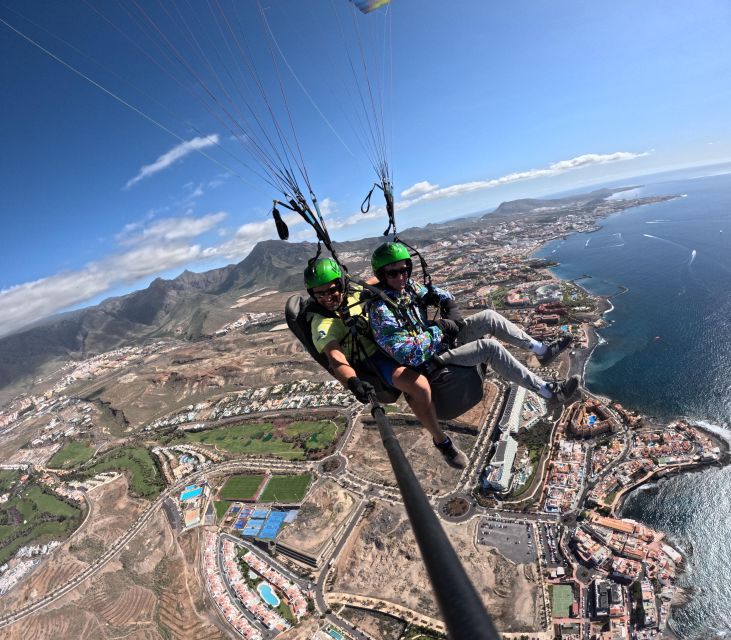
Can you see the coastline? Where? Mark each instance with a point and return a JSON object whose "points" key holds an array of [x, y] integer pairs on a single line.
{"points": [[682, 595], [669, 472], [720, 436]]}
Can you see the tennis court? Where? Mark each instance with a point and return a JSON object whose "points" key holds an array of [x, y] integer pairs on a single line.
{"points": [[562, 596], [272, 525], [252, 528]]}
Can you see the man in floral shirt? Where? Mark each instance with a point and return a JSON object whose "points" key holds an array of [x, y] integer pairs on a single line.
{"points": [[325, 283], [404, 332]]}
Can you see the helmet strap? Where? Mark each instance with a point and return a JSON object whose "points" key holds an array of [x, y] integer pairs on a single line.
{"points": [[426, 277]]}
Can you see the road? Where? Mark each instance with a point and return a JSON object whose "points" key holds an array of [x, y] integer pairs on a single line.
{"points": [[320, 603], [232, 596], [92, 569], [347, 479], [114, 550], [478, 455], [240, 542]]}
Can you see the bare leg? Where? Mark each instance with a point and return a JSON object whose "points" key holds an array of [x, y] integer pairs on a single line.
{"points": [[418, 393]]}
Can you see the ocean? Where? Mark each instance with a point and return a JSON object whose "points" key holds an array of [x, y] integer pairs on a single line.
{"points": [[667, 353]]}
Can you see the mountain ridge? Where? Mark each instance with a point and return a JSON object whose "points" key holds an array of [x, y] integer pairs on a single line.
{"points": [[193, 305]]}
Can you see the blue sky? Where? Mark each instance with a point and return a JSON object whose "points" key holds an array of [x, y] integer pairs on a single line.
{"points": [[482, 101]]}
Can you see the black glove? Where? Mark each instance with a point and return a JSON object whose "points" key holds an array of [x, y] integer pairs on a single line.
{"points": [[361, 389], [430, 299], [450, 328], [450, 310], [431, 366]]}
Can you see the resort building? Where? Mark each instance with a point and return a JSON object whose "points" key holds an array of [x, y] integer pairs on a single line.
{"points": [[517, 298], [601, 590], [589, 551], [498, 474], [522, 410], [510, 419], [590, 419], [221, 595], [193, 503], [549, 293], [649, 606]]}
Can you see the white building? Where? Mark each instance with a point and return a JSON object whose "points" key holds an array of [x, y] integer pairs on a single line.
{"points": [[499, 473]]}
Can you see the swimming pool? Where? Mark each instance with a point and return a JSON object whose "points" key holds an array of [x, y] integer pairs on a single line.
{"points": [[191, 492], [267, 593]]}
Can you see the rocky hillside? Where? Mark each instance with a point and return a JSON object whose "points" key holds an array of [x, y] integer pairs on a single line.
{"points": [[188, 307], [194, 305]]}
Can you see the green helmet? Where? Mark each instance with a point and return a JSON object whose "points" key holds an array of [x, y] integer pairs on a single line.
{"points": [[388, 253], [321, 272]]}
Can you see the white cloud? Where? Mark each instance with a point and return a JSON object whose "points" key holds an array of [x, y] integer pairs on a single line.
{"points": [[425, 191], [218, 180], [586, 160], [170, 229], [328, 207], [418, 189], [247, 235], [195, 193], [32, 301], [172, 156], [156, 246], [594, 158], [153, 248]]}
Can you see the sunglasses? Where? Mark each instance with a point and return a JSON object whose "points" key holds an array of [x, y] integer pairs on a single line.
{"points": [[330, 291], [396, 273]]}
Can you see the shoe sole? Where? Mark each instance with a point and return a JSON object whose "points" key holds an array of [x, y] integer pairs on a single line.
{"points": [[554, 356], [454, 464]]}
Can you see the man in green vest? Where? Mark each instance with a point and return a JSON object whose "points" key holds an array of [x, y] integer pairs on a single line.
{"points": [[325, 283]]}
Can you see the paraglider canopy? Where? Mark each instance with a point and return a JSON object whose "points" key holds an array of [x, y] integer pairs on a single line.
{"points": [[366, 6]]}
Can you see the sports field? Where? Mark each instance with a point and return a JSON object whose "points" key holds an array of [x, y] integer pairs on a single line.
{"points": [[286, 489], [240, 487], [221, 508], [71, 455], [562, 595], [291, 441]]}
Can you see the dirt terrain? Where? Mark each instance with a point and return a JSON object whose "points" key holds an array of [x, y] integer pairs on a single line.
{"points": [[188, 373], [368, 459], [25, 431], [113, 511], [150, 591], [303, 631], [327, 507], [375, 624], [384, 539], [476, 416]]}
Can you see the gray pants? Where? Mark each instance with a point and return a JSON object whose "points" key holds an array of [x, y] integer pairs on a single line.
{"points": [[476, 348]]}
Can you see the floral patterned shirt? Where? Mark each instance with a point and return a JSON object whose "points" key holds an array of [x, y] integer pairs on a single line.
{"points": [[410, 343]]}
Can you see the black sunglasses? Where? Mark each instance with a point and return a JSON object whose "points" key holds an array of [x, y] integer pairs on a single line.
{"points": [[328, 292], [395, 273]]}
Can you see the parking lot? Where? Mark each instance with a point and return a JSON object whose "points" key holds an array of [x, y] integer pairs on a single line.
{"points": [[512, 540], [549, 541]]}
